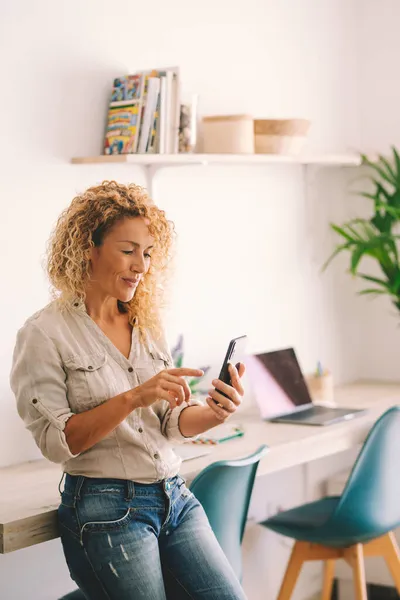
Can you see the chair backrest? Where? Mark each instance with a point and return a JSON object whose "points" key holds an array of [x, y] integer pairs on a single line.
{"points": [[370, 503], [224, 489]]}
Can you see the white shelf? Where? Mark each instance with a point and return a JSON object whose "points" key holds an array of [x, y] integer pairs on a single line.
{"points": [[164, 160], [153, 162]]}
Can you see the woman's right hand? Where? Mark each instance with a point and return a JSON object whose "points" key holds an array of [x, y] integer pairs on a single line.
{"points": [[168, 385]]}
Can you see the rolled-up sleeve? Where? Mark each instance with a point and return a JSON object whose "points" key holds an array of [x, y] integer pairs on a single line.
{"points": [[38, 381], [170, 422], [170, 417]]}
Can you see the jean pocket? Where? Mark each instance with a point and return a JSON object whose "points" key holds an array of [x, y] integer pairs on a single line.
{"points": [[109, 525], [103, 512]]}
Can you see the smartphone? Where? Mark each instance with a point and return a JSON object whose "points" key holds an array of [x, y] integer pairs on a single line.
{"points": [[235, 354]]}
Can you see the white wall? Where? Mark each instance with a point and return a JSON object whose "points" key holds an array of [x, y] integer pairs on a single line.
{"points": [[379, 87], [251, 240], [251, 243], [379, 101]]}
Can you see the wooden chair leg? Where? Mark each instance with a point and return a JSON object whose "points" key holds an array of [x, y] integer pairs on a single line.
{"points": [[297, 558], [329, 572], [355, 557], [392, 556]]}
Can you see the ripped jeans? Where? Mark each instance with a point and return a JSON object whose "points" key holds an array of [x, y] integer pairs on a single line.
{"points": [[130, 541]]}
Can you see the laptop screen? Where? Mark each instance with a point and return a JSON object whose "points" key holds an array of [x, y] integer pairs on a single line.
{"points": [[277, 382]]}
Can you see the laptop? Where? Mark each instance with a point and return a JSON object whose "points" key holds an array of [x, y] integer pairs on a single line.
{"points": [[281, 392]]}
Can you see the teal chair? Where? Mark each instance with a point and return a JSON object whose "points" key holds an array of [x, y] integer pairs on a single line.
{"points": [[358, 523], [224, 489]]}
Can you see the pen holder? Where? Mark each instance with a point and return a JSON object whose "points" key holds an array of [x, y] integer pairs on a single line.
{"points": [[321, 388]]}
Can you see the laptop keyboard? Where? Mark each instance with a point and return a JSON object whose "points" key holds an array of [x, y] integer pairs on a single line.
{"points": [[318, 414]]}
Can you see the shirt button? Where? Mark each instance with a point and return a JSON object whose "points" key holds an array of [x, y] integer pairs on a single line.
{"points": [[140, 430], [130, 369], [34, 401], [90, 367], [156, 456], [76, 304]]}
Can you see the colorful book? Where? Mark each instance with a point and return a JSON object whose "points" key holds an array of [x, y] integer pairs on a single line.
{"points": [[128, 87], [143, 116], [122, 129]]}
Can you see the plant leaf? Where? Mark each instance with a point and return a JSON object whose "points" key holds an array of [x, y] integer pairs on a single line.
{"points": [[374, 280], [397, 161], [392, 210], [380, 189], [381, 172], [357, 255], [374, 237], [383, 222], [342, 232], [361, 229], [388, 166], [395, 199], [335, 253], [374, 197], [396, 283], [371, 291]]}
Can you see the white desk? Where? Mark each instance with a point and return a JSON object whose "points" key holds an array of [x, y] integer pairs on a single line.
{"points": [[29, 491]]}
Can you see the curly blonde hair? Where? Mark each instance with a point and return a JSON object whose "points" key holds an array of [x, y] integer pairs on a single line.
{"points": [[84, 224]]}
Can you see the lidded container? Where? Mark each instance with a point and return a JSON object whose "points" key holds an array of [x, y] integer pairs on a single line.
{"points": [[228, 134]]}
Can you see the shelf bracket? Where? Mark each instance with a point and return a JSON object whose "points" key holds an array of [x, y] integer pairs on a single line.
{"points": [[150, 171]]}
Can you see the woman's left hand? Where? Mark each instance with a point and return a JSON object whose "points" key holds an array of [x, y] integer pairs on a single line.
{"points": [[227, 406]]}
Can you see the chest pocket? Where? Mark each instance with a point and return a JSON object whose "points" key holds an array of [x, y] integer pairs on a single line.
{"points": [[159, 361], [152, 365], [90, 380]]}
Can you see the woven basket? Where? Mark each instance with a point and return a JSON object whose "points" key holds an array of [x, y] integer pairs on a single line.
{"points": [[280, 136]]}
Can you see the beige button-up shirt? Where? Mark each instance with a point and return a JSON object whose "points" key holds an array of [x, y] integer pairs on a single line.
{"points": [[63, 364]]}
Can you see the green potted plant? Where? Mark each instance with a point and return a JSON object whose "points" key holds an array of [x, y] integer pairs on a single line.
{"points": [[377, 236]]}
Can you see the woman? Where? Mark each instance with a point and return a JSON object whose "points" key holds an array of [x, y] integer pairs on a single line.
{"points": [[95, 384]]}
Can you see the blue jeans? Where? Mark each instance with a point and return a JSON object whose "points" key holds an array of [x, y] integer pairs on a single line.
{"points": [[130, 541]]}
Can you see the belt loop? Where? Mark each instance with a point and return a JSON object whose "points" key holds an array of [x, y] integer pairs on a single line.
{"points": [[130, 490], [59, 485], [78, 487]]}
